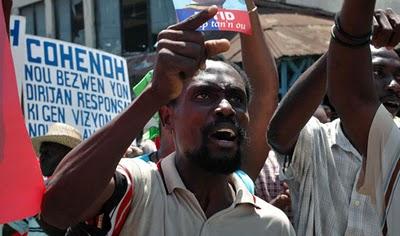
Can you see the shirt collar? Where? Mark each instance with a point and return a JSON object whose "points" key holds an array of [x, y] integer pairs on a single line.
{"points": [[170, 173], [173, 181], [338, 138]]}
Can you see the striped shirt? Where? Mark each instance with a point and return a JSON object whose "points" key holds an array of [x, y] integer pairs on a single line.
{"points": [[381, 176], [157, 202], [28, 226], [268, 185], [321, 177]]}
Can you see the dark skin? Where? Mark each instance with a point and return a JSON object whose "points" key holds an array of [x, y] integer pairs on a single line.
{"points": [[386, 68], [321, 115], [311, 87], [50, 155], [287, 122], [353, 95], [181, 52], [260, 68], [207, 98]]}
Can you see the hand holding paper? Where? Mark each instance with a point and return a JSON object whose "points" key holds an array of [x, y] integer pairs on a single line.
{"points": [[232, 15], [181, 52]]}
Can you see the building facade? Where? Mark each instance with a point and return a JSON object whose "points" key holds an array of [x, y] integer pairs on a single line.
{"points": [[130, 27]]}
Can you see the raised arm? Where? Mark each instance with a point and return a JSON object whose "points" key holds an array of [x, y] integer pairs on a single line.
{"points": [[297, 107], [260, 67], [350, 77], [82, 182]]}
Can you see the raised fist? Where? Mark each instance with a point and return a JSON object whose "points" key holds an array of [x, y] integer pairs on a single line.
{"points": [[181, 51], [386, 29]]}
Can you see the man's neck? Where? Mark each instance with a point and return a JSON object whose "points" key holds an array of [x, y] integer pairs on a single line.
{"points": [[212, 191]]}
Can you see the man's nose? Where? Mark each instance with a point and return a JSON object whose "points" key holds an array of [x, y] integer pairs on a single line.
{"points": [[225, 108], [394, 86]]}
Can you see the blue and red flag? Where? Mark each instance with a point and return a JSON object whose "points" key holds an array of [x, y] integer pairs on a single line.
{"points": [[232, 14]]}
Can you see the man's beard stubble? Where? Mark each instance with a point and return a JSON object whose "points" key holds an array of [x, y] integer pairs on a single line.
{"points": [[214, 163]]}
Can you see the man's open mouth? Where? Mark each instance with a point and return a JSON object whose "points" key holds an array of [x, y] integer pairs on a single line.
{"points": [[225, 137], [224, 134]]}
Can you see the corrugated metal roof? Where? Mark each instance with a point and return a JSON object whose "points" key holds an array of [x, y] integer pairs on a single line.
{"points": [[289, 35]]}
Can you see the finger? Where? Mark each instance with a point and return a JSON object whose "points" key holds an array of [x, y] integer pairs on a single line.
{"points": [[187, 67], [385, 30], [217, 46], [186, 49], [394, 20], [195, 21], [375, 30], [284, 197], [285, 186], [180, 35]]}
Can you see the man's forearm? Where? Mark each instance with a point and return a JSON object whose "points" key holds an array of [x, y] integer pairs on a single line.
{"points": [[350, 81], [297, 107], [260, 67], [86, 171]]}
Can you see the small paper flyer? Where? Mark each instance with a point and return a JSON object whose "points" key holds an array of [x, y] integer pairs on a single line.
{"points": [[231, 16]]}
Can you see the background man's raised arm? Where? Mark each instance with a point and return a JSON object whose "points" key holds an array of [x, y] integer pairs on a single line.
{"points": [[297, 107], [260, 67], [350, 72]]}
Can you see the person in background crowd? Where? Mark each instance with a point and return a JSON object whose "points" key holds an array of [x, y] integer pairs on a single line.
{"points": [[319, 162], [321, 115], [352, 90], [51, 148], [148, 146], [270, 188], [208, 117], [133, 151]]}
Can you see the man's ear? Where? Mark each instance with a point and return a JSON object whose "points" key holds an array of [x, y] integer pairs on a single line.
{"points": [[166, 117]]}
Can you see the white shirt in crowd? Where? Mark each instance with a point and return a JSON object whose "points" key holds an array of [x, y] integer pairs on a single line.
{"points": [[322, 178], [381, 177]]}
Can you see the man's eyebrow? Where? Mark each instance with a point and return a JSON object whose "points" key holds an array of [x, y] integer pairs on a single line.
{"points": [[216, 86]]}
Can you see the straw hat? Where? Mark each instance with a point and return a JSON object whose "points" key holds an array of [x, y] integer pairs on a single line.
{"points": [[59, 133]]}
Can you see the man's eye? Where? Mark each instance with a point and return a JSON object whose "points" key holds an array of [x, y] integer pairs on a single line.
{"points": [[379, 74], [202, 96], [236, 100]]}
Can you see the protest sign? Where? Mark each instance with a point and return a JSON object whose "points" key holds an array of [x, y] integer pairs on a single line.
{"points": [[21, 183], [231, 16], [67, 83]]}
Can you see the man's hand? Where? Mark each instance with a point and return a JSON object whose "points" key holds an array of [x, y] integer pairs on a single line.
{"points": [[386, 29], [182, 51], [282, 201]]}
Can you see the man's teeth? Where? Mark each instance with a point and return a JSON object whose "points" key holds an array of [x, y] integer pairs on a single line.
{"points": [[393, 103], [231, 132], [224, 134]]}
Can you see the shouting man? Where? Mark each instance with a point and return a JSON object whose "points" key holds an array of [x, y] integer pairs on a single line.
{"points": [[192, 190]]}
